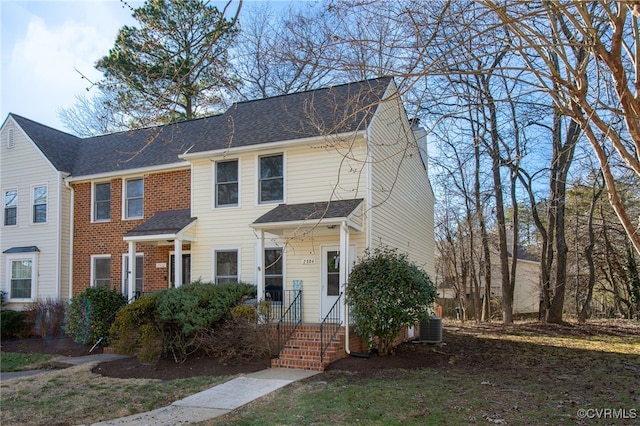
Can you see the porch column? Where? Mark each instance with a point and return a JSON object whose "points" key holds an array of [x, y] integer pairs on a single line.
{"points": [[131, 273], [260, 265], [344, 264], [177, 267]]}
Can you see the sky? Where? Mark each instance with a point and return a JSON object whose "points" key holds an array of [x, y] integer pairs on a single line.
{"points": [[47, 46]]}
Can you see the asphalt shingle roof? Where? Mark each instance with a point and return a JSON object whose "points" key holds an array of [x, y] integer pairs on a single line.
{"points": [[331, 110], [59, 147], [309, 211], [337, 109], [166, 222]]}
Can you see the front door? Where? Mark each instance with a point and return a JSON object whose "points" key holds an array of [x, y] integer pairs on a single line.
{"points": [[331, 285], [186, 269]]}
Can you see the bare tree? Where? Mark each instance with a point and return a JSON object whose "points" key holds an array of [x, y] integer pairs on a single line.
{"points": [[599, 92]]}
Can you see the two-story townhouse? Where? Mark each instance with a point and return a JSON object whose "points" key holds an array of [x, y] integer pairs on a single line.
{"points": [[288, 184], [273, 192], [35, 238]]}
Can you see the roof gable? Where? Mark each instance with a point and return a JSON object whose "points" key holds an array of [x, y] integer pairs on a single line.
{"points": [[58, 147]]}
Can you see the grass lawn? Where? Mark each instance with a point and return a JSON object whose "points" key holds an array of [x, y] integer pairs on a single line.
{"points": [[500, 375], [10, 361], [528, 374]]}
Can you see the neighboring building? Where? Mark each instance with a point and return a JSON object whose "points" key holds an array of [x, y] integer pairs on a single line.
{"points": [[35, 238], [271, 192], [526, 296]]}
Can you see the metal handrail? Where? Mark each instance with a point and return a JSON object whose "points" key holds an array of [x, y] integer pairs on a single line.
{"points": [[290, 320], [330, 325]]}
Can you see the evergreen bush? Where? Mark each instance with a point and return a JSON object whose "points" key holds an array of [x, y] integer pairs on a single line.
{"points": [[385, 293], [91, 314]]}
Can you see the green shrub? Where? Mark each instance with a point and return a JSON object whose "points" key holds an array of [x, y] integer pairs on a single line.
{"points": [[183, 311], [244, 313], [200, 305], [125, 332], [13, 324], [47, 317], [386, 292], [91, 313]]}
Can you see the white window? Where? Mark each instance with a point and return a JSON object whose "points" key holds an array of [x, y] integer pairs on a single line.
{"points": [[101, 270], [139, 286], [226, 266], [22, 272], [133, 198], [271, 179], [39, 204], [102, 202], [11, 207], [226, 184]]}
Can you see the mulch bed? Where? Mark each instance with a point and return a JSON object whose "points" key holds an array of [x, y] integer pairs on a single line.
{"points": [[460, 346]]}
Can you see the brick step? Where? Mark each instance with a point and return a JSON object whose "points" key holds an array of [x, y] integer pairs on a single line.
{"points": [[299, 364], [303, 349], [313, 336]]}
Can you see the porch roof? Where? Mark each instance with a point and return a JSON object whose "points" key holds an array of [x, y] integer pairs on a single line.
{"points": [[325, 212], [166, 225]]}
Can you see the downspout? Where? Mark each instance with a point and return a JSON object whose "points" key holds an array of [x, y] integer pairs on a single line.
{"points": [[71, 219]]}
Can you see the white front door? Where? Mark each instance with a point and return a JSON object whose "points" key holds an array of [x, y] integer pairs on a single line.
{"points": [[330, 281]]}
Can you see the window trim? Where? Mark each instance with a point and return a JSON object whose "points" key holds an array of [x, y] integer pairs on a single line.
{"points": [[93, 201], [125, 199], [94, 257], [4, 209], [214, 204], [214, 264], [10, 258], [259, 201], [33, 204]]}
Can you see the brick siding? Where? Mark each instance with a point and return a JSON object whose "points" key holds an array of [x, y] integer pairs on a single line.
{"points": [[162, 192]]}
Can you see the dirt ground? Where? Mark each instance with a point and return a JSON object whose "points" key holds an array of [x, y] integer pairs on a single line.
{"points": [[459, 346]]}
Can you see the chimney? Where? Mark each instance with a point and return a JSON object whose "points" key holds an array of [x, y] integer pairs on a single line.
{"points": [[421, 139]]}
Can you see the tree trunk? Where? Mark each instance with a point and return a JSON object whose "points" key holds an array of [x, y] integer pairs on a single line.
{"points": [[588, 254]]}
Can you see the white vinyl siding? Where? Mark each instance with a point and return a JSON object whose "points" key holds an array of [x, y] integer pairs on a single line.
{"points": [[51, 238], [313, 172], [403, 201]]}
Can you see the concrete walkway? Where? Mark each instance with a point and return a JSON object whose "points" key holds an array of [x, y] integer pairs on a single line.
{"points": [[217, 401], [214, 402]]}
